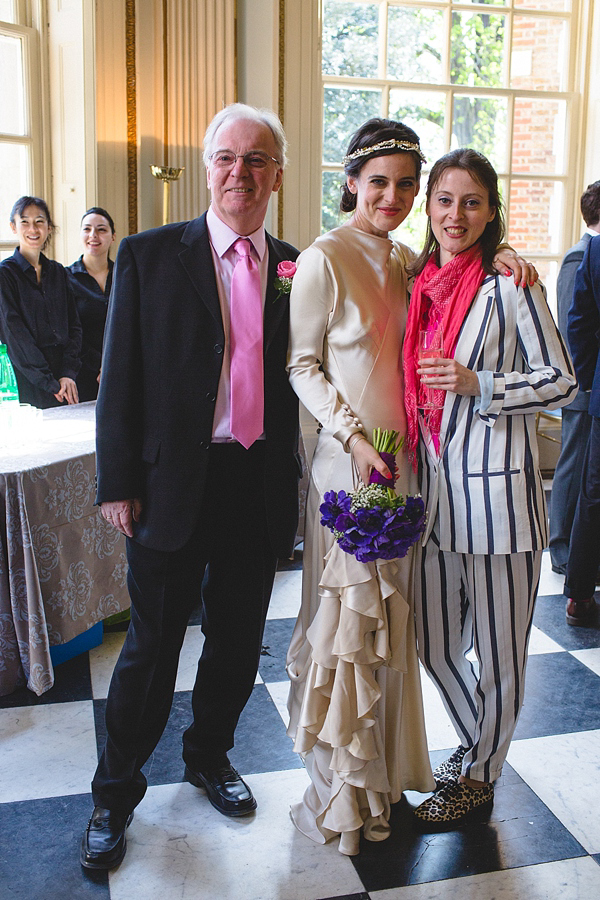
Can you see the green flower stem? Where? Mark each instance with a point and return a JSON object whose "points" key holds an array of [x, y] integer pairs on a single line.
{"points": [[387, 441]]}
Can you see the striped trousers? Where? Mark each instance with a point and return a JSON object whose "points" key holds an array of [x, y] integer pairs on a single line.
{"points": [[483, 602]]}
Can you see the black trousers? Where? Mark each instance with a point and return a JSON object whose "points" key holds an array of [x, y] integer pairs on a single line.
{"points": [[230, 552], [584, 551]]}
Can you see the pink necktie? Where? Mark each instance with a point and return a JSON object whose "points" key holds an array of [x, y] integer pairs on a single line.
{"points": [[246, 348]]}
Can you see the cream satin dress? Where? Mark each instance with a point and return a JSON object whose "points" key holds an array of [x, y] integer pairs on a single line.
{"points": [[355, 703]]}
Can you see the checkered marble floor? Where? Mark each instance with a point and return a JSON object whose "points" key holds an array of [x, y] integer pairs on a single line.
{"points": [[542, 839]]}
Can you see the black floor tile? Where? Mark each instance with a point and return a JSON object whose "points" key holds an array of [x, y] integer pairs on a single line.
{"points": [[550, 617], [561, 696], [261, 744], [519, 831], [596, 857], [72, 681], [165, 765], [39, 851], [276, 640], [362, 896]]}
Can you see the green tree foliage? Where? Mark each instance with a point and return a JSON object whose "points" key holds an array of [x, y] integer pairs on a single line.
{"points": [[344, 110], [477, 42], [350, 36], [415, 40]]}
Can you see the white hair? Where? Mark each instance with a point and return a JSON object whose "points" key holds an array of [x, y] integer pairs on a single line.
{"points": [[237, 111]]}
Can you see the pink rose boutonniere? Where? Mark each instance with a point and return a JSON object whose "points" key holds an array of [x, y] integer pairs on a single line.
{"points": [[285, 272]]}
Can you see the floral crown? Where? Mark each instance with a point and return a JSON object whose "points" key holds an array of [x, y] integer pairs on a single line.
{"points": [[390, 144]]}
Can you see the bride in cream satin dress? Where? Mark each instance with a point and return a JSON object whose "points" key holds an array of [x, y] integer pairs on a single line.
{"points": [[355, 704]]}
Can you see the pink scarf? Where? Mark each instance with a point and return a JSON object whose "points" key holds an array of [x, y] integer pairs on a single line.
{"points": [[440, 296]]}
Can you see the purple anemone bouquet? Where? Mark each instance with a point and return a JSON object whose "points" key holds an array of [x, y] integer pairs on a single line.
{"points": [[373, 522]]}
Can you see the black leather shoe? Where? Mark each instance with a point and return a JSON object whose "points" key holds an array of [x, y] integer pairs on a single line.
{"points": [[225, 789], [104, 844]]}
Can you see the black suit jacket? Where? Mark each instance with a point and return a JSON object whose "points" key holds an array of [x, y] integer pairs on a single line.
{"points": [[564, 296], [162, 360], [584, 324]]}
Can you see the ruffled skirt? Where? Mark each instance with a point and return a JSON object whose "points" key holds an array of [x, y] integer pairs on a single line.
{"points": [[356, 712]]}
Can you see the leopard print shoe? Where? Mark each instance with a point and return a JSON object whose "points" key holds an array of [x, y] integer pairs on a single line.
{"points": [[452, 805], [451, 769]]}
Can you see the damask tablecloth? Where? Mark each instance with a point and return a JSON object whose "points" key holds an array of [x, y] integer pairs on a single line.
{"points": [[62, 567]]}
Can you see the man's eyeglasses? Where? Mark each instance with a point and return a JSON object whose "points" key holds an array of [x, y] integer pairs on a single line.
{"points": [[254, 159]]}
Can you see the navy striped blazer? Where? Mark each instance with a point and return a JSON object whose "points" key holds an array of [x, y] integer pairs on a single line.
{"points": [[485, 486]]}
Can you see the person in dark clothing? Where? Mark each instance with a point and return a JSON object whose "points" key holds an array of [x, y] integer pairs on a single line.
{"points": [[197, 459], [576, 420], [91, 280], [584, 340], [38, 314]]}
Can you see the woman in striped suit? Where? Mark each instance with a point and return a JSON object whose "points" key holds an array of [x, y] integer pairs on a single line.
{"points": [[503, 360]]}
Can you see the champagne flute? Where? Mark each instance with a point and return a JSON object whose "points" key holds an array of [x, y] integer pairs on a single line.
{"points": [[431, 346]]}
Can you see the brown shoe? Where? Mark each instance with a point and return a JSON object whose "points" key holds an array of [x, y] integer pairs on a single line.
{"points": [[453, 804], [450, 769], [580, 612]]}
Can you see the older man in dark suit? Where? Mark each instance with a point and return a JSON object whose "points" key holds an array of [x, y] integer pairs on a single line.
{"points": [[584, 340], [197, 464], [576, 422]]}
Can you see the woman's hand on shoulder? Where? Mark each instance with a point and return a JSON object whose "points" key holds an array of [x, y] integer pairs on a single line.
{"points": [[507, 262]]}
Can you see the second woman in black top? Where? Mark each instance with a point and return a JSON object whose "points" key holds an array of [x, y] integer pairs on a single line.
{"points": [[91, 279]]}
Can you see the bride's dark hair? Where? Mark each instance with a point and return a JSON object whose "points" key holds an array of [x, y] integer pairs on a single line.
{"points": [[370, 133]]}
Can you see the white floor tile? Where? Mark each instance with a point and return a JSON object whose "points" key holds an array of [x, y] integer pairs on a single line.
{"points": [[569, 879], [102, 662], [279, 691], [47, 751], [563, 770], [440, 731], [541, 643], [285, 599], [188, 659], [590, 658], [550, 582], [104, 657], [180, 848]]}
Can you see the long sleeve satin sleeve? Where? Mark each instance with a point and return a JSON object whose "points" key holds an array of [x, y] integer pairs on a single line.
{"points": [[314, 304]]}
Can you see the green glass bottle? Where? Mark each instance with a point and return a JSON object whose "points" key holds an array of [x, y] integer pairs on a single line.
{"points": [[8, 383]]}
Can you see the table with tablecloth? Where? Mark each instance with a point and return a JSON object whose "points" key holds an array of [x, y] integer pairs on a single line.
{"points": [[62, 566]]}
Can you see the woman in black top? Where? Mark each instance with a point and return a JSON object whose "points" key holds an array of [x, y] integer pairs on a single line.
{"points": [[38, 316], [91, 280]]}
